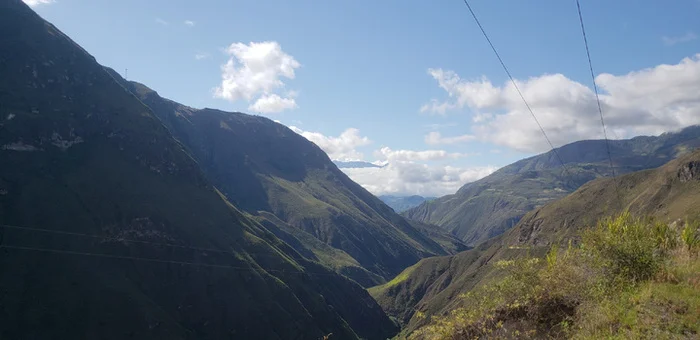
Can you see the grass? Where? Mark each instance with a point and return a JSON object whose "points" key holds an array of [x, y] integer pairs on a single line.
{"points": [[629, 278], [403, 276]]}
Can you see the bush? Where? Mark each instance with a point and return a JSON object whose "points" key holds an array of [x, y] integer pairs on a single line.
{"points": [[609, 286], [690, 236], [629, 248]]}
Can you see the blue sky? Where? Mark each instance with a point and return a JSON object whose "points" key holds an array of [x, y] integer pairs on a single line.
{"points": [[371, 66]]}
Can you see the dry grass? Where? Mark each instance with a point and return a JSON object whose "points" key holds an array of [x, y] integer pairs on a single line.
{"points": [[630, 278]]}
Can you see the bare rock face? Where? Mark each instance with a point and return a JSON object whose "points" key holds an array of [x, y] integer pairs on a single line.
{"points": [[689, 171]]}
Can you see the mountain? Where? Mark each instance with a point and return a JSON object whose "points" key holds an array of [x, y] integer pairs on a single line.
{"points": [[111, 230], [492, 205], [403, 203], [355, 164], [268, 170], [432, 286]]}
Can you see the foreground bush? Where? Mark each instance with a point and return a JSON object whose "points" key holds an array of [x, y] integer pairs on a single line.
{"points": [[629, 278]]}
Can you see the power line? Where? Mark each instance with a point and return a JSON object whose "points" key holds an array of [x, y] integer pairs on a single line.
{"points": [[135, 258], [156, 260], [515, 85], [114, 238], [597, 97], [71, 252]]}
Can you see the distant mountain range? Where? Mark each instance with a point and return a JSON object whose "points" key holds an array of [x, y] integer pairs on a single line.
{"points": [[403, 203], [355, 164], [124, 214], [432, 286], [492, 205]]}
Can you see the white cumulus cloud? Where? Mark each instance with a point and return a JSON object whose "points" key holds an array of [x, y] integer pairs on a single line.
{"points": [[273, 103], [409, 178], [342, 148], [189, 23], [201, 55], [436, 138], [390, 155], [402, 172], [161, 22], [649, 101], [256, 70], [437, 108], [33, 3]]}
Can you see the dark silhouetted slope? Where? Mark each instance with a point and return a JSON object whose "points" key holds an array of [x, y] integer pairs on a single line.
{"points": [[81, 155], [264, 167]]}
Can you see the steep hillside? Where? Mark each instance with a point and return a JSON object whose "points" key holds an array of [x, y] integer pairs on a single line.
{"points": [[263, 166], [627, 277], [433, 285], [403, 203], [492, 205], [110, 229]]}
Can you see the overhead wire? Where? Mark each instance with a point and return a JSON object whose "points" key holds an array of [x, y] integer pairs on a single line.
{"points": [[4, 245], [115, 238], [597, 97], [515, 85]]}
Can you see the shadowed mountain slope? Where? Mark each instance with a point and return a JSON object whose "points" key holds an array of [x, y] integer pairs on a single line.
{"points": [[135, 242], [264, 167]]}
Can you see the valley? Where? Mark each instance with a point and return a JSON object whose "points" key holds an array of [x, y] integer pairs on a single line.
{"points": [[128, 215]]}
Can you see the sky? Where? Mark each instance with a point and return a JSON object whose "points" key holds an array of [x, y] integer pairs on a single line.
{"points": [[412, 85]]}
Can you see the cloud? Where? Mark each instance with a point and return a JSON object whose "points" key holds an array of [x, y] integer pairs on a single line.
{"points": [[481, 117], [408, 178], [273, 104], [437, 108], [256, 70], [670, 41], [436, 138], [161, 22], [33, 3], [342, 148], [201, 55], [649, 101], [189, 23], [438, 126], [400, 171], [390, 155]]}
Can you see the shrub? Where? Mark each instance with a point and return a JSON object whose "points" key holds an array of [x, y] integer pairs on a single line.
{"points": [[627, 247], [690, 236], [609, 286]]}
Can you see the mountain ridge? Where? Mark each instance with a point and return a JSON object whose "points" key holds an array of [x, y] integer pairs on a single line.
{"points": [[263, 166], [403, 203], [490, 206], [88, 158], [432, 286]]}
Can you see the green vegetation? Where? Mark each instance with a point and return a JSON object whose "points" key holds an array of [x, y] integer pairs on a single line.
{"points": [[263, 167], [629, 278], [669, 194], [403, 276], [90, 165], [494, 204]]}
